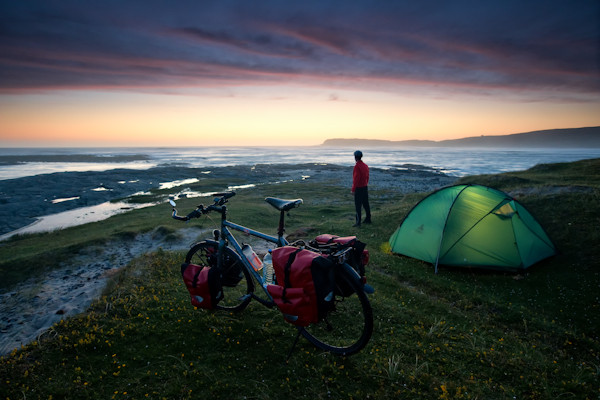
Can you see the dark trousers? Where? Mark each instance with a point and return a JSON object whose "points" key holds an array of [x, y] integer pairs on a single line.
{"points": [[361, 199]]}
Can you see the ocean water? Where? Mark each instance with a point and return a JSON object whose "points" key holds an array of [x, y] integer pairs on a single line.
{"points": [[21, 162], [17, 164]]}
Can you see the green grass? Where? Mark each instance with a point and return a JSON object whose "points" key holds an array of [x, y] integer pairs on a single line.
{"points": [[460, 334]]}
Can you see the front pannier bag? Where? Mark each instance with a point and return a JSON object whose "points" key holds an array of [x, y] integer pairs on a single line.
{"points": [[305, 284], [204, 285]]}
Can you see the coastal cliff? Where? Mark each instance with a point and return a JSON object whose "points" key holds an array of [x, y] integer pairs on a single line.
{"points": [[553, 138]]}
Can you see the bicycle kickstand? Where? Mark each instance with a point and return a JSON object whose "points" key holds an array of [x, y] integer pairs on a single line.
{"points": [[293, 345]]}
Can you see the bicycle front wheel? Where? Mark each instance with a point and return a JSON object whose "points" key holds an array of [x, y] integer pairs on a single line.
{"points": [[347, 327], [236, 281]]}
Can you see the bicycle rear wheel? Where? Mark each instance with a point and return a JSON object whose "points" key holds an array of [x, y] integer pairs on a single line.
{"points": [[347, 328], [236, 280]]}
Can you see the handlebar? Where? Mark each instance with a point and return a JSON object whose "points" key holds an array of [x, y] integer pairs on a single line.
{"points": [[220, 200]]}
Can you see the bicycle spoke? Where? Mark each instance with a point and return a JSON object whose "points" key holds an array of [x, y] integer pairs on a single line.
{"points": [[348, 326], [237, 283]]}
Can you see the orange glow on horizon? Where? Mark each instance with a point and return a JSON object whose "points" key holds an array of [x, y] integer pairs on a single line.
{"points": [[293, 119]]}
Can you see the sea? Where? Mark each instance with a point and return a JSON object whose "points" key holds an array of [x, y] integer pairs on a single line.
{"points": [[18, 163]]}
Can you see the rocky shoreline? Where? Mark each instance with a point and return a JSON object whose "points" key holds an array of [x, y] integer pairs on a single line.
{"points": [[23, 200]]}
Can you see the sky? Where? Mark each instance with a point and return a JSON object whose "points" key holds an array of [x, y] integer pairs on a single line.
{"points": [[287, 73]]}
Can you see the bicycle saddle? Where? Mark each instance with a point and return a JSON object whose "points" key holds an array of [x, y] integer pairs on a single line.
{"points": [[283, 205]]}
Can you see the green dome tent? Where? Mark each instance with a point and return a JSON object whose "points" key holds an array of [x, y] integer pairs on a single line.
{"points": [[472, 225]]}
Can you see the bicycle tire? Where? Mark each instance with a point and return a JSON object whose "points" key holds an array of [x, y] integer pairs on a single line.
{"points": [[348, 327], [236, 280]]}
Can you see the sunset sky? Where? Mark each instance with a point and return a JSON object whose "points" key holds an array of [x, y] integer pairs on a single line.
{"points": [[235, 72]]}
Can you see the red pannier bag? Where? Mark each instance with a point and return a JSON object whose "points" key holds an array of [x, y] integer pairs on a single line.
{"points": [[358, 259], [360, 253], [296, 295], [204, 285], [327, 238]]}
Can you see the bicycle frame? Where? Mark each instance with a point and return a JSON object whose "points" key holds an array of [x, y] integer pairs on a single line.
{"points": [[226, 238]]}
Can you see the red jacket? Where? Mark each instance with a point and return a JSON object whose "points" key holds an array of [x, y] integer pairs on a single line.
{"points": [[360, 175]]}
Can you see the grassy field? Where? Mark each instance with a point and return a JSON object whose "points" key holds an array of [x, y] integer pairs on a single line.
{"points": [[460, 334]]}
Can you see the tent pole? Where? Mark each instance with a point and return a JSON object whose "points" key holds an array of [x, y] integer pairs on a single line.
{"points": [[437, 259]]}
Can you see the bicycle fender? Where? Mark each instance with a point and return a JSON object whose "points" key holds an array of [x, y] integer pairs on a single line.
{"points": [[368, 289], [352, 272], [210, 241]]}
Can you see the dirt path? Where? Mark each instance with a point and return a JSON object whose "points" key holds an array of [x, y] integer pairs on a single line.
{"points": [[32, 307]]}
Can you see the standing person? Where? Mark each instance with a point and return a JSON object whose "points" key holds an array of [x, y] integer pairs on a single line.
{"points": [[360, 180]]}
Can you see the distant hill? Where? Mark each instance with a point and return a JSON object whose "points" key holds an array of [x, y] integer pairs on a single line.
{"points": [[556, 138]]}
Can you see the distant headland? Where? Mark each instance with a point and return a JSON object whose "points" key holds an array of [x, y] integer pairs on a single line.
{"points": [[553, 138]]}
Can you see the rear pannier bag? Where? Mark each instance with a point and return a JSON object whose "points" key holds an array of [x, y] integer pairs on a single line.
{"points": [[305, 284], [359, 257], [204, 285]]}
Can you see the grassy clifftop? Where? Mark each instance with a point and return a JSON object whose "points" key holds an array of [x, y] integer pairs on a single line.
{"points": [[459, 334]]}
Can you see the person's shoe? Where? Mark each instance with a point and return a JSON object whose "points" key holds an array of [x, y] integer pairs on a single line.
{"points": [[357, 225], [367, 221]]}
